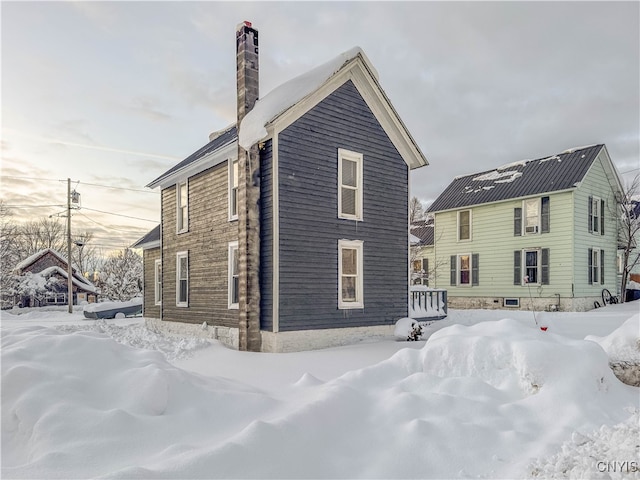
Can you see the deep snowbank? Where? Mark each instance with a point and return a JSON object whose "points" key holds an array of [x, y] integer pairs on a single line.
{"points": [[487, 400]]}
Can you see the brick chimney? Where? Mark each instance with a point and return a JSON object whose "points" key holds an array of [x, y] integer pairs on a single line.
{"points": [[248, 194]]}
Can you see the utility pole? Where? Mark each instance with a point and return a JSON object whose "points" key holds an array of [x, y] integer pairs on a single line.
{"points": [[69, 267]]}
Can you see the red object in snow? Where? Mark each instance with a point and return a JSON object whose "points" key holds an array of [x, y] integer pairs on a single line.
{"points": [[544, 329]]}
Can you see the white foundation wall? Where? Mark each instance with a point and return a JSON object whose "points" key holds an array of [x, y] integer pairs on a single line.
{"points": [[225, 335], [303, 340], [582, 304], [281, 342]]}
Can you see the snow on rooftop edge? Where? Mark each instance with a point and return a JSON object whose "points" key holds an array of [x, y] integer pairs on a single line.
{"points": [[288, 94]]}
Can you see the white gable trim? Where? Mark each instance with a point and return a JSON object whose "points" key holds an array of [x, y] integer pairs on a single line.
{"points": [[358, 72]]}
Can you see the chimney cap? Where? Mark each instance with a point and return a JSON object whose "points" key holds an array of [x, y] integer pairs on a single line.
{"points": [[245, 23]]}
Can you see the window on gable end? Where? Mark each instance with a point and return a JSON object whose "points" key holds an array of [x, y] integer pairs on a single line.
{"points": [[350, 274], [596, 215], [350, 192]]}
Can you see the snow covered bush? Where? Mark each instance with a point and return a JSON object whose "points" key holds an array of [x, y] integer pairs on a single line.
{"points": [[36, 286], [408, 329], [121, 276]]}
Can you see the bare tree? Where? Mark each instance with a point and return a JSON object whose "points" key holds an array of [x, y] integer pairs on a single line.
{"points": [[416, 210], [84, 256], [37, 235], [629, 210]]}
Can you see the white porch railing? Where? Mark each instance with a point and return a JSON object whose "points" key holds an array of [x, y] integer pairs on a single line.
{"points": [[427, 303]]}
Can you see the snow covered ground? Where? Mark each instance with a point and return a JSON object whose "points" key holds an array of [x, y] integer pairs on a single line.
{"points": [[488, 395]]}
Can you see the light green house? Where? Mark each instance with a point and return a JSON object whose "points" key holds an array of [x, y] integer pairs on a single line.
{"points": [[532, 234]]}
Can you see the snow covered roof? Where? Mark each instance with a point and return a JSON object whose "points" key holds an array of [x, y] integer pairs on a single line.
{"points": [[423, 233], [33, 258], [298, 93], [252, 127], [524, 178], [149, 240], [77, 279]]}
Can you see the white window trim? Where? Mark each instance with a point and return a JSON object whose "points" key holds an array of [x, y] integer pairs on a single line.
{"points": [[596, 210], [358, 246], [523, 263], [179, 255], [185, 226], [157, 286], [459, 270], [595, 266], [470, 226], [232, 306], [230, 163], [354, 157], [524, 216]]}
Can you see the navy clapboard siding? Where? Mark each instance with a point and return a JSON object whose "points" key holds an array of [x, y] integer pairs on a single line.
{"points": [[310, 228], [266, 238]]}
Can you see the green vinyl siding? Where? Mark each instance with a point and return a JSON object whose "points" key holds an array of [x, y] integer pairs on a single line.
{"points": [[493, 241], [595, 185]]}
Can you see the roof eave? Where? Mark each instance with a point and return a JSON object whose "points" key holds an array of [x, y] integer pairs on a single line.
{"points": [[211, 159]]}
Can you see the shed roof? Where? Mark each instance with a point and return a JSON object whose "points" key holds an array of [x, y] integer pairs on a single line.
{"points": [[149, 240], [552, 173]]}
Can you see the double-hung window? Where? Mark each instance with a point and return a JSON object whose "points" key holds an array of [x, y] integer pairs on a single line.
{"points": [[596, 215], [157, 268], [350, 274], [464, 225], [533, 217], [421, 271], [182, 279], [531, 266], [233, 276], [233, 189], [465, 270], [349, 185], [182, 203], [596, 266]]}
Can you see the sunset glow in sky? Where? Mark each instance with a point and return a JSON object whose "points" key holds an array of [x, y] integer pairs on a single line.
{"points": [[112, 94]]}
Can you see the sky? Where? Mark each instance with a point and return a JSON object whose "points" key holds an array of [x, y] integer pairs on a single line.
{"points": [[112, 94]]}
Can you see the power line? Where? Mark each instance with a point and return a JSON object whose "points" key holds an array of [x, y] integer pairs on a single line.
{"points": [[120, 215], [84, 183], [119, 188]]}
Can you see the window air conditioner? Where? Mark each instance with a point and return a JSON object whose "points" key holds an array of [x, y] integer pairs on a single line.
{"points": [[533, 229]]}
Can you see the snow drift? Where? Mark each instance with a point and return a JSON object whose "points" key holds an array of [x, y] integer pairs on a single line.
{"points": [[486, 400]]}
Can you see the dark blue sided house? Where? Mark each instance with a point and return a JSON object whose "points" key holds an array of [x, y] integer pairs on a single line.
{"points": [[289, 229]]}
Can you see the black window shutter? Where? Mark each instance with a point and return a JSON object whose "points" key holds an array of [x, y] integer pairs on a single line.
{"points": [[474, 269], [601, 267], [601, 217], [545, 220], [545, 267], [454, 274], [517, 276], [517, 222], [590, 266], [590, 215]]}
